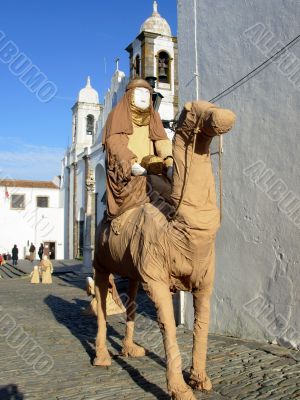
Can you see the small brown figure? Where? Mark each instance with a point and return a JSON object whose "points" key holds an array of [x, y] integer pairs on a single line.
{"points": [[35, 275], [46, 270]]}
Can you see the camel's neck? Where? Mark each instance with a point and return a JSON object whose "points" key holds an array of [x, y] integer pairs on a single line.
{"points": [[195, 182]]}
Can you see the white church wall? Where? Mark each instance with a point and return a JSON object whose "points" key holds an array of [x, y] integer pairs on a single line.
{"points": [[70, 242], [257, 276], [166, 111], [51, 229], [112, 97], [85, 109], [80, 189], [65, 191]]}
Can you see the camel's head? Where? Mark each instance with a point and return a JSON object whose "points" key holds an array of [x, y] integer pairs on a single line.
{"points": [[206, 117]]}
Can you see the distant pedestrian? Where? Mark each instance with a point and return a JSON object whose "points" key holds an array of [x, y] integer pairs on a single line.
{"points": [[41, 251], [32, 252], [15, 252]]}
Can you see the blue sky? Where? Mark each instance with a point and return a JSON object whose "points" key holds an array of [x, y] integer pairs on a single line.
{"points": [[67, 41]]}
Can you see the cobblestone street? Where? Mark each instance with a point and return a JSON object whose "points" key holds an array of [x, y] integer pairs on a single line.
{"points": [[52, 316]]}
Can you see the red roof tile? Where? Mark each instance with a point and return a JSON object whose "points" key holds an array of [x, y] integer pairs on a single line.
{"points": [[27, 184]]}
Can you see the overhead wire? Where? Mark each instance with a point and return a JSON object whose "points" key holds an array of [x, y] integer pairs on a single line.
{"points": [[231, 88], [255, 71]]}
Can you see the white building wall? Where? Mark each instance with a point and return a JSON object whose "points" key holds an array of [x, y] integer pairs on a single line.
{"points": [[83, 110], [69, 244], [117, 89], [257, 279], [31, 224], [66, 196], [51, 229], [80, 189]]}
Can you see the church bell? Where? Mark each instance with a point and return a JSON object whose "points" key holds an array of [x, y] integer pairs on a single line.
{"points": [[162, 73]]}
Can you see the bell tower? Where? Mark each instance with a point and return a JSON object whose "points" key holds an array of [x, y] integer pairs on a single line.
{"points": [[86, 112], [154, 54]]}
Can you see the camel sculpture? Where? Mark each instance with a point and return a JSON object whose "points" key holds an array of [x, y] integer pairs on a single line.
{"points": [[169, 251]]}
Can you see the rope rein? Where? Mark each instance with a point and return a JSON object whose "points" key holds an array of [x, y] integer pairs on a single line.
{"points": [[220, 178]]}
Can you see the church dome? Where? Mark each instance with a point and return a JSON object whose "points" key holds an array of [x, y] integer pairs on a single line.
{"points": [[88, 94], [156, 23]]}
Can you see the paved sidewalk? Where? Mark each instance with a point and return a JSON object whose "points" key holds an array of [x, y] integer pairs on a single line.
{"points": [[51, 315]]}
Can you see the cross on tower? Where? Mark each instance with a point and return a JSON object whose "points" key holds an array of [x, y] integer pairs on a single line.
{"points": [[117, 63]]}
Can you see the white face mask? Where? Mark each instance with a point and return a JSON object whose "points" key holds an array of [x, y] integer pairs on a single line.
{"points": [[141, 97]]}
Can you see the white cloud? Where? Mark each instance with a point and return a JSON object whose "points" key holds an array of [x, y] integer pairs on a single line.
{"points": [[27, 161]]}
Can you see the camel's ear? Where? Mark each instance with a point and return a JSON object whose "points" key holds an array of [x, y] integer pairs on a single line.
{"points": [[188, 106]]}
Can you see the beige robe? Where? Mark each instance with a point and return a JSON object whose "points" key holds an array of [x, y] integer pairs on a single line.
{"points": [[47, 270], [35, 275], [125, 191]]}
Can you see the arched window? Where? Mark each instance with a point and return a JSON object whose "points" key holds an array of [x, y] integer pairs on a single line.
{"points": [[137, 66], [90, 122], [163, 67]]}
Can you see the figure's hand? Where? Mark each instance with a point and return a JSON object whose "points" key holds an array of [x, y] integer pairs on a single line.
{"points": [[138, 170], [170, 173]]}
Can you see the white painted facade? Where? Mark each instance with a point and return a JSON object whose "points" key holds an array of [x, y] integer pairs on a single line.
{"points": [[31, 223], [256, 293]]}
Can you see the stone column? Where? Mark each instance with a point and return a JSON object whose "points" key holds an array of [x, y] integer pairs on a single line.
{"points": [[88, 246], [75, 224], [148, 56], [67, 214]]}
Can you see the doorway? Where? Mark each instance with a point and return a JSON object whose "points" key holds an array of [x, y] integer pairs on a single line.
{"points": [[49, 250]]}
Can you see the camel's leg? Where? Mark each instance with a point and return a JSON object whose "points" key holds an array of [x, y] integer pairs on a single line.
{"points": [[162, 298], [129, 347], [198, 378], [101, 289]]}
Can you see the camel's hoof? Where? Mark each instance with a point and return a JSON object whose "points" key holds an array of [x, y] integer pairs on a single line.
{"points": [[103, 360], [90, 286], [132, 350], [200, 382], [183, 394]]}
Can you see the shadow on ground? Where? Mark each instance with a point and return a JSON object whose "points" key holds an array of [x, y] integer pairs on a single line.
{"points": [[10, 392], [84, 328]]}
